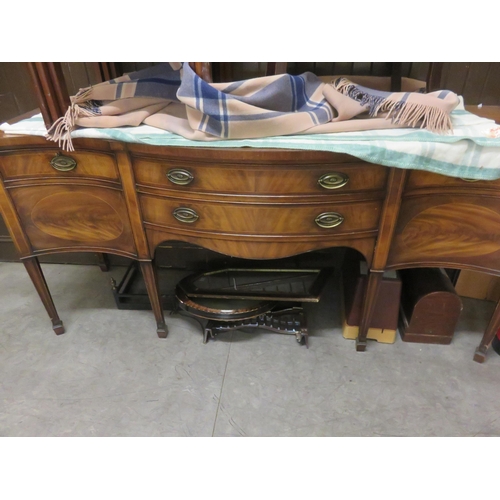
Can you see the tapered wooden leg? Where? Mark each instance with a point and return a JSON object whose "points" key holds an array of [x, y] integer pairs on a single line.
{"points": [[372, 288], [35, 272], [151, 280], [489, 335]]}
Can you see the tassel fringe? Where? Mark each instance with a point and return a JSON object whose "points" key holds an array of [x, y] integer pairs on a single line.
{"points": [[400, 112], [61, 129], [81, 96]]}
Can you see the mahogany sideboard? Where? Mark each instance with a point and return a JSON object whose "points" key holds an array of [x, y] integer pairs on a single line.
{"points": [[126, 199]]}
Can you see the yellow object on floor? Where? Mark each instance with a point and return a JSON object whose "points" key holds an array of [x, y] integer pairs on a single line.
{"points": [[380, 335]]}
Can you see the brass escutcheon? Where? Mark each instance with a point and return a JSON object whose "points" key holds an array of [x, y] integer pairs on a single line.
{"points": [[185, 215], [180, 176], [333, 180], [328, 220], [63, 163]]}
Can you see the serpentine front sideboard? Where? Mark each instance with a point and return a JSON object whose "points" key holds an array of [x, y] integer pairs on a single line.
{"points": [[126, 199]]}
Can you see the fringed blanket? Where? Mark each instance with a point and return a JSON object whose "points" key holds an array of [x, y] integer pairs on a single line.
{"points": [[172, 97]]}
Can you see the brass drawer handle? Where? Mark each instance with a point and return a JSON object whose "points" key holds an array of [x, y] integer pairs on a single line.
{"points": [[180, 176], [63, 163], [469, 180], [185, 215], [328, 220], [333, 180]]}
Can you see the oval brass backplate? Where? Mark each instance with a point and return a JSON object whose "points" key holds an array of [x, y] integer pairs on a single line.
{"points": [[185, 215], [333, 180], [180, 176], [328, 220], [63, 163]]}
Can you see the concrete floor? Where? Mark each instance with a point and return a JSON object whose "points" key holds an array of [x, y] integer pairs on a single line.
{"points": [[110, 375]]}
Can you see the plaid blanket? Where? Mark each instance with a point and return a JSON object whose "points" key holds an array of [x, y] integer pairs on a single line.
{"points": [[172, 97]]}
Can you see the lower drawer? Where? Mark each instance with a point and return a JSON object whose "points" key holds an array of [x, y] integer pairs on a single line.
{"points": [[261, 219]]}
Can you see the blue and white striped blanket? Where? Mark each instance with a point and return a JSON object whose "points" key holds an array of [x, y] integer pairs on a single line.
{"points": [[469, 151]]}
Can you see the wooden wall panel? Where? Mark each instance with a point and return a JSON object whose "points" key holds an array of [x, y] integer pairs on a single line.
{"points": [[474, 83], [76, 76], [130, 67], [243, 70], [409, 69], [9, 106], [478, 83], [79, 75], [16, 93], [455, 76], [491, 89], [417, 70]]}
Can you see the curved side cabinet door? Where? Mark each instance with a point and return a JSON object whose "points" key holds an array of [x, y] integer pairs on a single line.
{"points": [[74, 217], [460, 230]]}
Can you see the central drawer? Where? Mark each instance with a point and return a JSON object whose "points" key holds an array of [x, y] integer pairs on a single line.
{"points": [[259, 180], [261, 219]]}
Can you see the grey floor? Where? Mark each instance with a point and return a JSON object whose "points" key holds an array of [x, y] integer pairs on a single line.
{"points": [[109, 374]]}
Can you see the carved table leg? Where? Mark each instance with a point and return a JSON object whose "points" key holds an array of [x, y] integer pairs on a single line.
{"points": [[489, 334], [151, 280], [372, 288], [35, 272]]}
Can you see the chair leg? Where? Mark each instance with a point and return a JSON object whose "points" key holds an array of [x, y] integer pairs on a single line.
{"points": [[151, 281], [34, 270]]}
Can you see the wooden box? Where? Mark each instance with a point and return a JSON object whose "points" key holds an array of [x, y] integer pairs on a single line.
{"points": [[430, 307], [478, 285]]}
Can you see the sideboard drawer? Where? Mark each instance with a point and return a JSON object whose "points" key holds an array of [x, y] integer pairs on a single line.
{"points": [[261, 219], [53, 163], [260, 180], [421, 179]]}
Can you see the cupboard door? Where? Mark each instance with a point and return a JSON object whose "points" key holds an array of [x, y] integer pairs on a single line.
{"points": [[458, 230], [66, 217]]}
